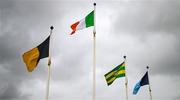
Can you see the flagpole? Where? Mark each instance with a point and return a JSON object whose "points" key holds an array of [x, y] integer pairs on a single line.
{"points": [[126, 80], [150, 94], [94, 55], [49, 67]]}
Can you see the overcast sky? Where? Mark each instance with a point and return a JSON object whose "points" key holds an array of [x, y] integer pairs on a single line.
{"points": [[146, 31]]}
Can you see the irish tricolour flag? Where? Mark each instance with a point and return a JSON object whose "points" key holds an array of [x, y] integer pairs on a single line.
{"points": [[83, 23]]}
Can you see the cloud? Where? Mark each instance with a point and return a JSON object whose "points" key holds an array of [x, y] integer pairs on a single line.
{"points": [[145, 31], [21, 22], [11, 91], [177, 98], [6, 4], [148, 17], [156, 24]]}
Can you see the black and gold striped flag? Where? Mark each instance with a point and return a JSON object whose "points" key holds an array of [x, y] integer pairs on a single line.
{"points": [[117, 72], [32, 57]]}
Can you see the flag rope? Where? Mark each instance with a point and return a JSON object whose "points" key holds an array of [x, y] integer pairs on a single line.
{"points": [[150, 94], [94, 55], [48, 81], [126, 79], [49, 68]]}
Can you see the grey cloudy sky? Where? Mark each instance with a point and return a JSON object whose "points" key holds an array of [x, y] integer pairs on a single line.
{"points": [[146, 31]]}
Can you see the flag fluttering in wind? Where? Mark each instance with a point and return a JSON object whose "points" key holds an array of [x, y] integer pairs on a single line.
{"points": [[142, 82], [117, 72], [83, 23], [32, 57]]}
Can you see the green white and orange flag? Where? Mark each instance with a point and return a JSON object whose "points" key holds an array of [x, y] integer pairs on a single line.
{"points": [[83, 23]]}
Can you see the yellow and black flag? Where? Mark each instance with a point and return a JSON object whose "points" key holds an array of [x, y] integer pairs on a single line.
{"points": [[32, 57]]}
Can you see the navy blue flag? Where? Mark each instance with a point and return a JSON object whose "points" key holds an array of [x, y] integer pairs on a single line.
{"points": [[142, 82]]}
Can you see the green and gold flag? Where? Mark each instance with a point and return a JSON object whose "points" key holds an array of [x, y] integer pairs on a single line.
{"points": [[32, 57], [117, 72]]}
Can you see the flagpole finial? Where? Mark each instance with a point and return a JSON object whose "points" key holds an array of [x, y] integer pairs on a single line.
{"points": [[124, 57], [94, 4], [147, 67], [51, 27]]}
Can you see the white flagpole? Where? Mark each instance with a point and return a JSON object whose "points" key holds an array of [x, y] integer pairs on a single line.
{"points": [[94, 55], [150, 94], [126, 79], [49, 67]]}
